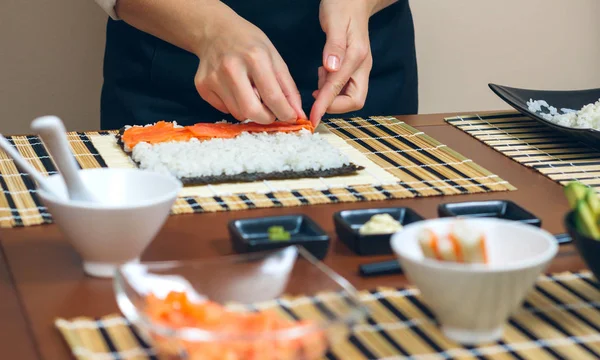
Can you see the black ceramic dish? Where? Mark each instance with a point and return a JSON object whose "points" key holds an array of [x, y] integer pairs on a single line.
{"points": [[348, 222], [588, 248], [249, 235], [575, 99], [501, 209]]}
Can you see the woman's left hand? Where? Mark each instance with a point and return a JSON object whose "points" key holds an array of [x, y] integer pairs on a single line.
{"points": [[347, 61]]}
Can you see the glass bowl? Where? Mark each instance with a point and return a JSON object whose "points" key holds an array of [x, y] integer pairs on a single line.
{"points": [[318, 306]]}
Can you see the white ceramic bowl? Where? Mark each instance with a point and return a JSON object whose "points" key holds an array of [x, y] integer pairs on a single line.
{"points": [[472, 302], [133, 206]]}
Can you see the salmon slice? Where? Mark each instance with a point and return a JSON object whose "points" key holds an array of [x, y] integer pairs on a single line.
{"points": [[160, 132], [204, 131], [164, 131], [227, 130]]}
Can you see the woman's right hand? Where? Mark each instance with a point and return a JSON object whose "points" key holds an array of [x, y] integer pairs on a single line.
{"points": [[242, 74]]}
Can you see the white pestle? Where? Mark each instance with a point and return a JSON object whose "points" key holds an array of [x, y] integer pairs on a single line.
{"points": [[52, 131], [25, 165]]}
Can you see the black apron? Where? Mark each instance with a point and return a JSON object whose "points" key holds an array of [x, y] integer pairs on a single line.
{"points": [[147, 79]]}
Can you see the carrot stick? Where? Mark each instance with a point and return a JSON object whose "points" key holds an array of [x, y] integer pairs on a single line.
{"points": [[483, 249], [456, 247], [433, 244]]}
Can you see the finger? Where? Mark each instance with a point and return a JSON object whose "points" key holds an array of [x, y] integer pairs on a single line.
{"points": [[346, 102], [334, 84], [263, 75], [213, 99], [256, 92], [226, 97], [249, 106], [290, 90], [354, 95], [203, 86], [335, 48], [322, 77]]}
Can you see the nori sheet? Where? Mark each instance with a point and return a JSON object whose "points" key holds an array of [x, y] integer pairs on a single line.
{"points": [[248, 177]]}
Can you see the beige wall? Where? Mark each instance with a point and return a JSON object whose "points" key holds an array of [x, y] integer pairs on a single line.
{"points": [[463, 45], [51, 62], [51, 55]]}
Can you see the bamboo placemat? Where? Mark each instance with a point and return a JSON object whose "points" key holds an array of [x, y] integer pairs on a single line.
{"points": [[528, 142], [400, 162], [558, 320]]}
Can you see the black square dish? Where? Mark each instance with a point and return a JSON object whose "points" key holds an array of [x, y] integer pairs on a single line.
{"points": [[572, 99], [348, 222], [502, 209], [249, 235]]}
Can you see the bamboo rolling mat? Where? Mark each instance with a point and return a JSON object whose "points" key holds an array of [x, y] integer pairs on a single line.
{"points": [[400, 162], [558, 320], [528, 142]]}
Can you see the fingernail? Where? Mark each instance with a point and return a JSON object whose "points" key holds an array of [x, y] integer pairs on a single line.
{"points": [[333, 62]]}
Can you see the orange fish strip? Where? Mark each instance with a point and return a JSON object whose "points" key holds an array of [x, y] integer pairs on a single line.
{"points": [[164, 131], [177, 311]]}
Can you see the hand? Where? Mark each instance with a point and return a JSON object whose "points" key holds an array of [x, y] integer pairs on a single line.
{"points": [[347, 60], [242, 73]]}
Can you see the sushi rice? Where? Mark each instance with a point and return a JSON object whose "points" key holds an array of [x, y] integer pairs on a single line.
{"points": [[587, 117], [246, 153]]}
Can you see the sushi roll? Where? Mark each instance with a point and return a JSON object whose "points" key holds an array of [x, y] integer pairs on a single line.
{"points": [[219, 153], [462, 244]]}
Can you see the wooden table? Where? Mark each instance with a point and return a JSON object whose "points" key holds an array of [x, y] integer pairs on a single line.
{"points": [[50, 281], [16, 341]]}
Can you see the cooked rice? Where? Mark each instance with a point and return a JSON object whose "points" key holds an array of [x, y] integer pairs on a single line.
{"points": [[246, 153], [586, 118]]}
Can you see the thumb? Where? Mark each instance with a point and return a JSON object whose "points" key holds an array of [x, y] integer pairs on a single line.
{"points": [[335, 48]]}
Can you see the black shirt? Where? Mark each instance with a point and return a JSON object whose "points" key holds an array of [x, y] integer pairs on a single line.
{"points": [[147, 79]]}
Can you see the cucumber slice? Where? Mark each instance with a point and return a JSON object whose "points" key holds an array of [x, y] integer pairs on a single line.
{"points": [[585, 222], [575, 191], [276, 230], [593, 202]]}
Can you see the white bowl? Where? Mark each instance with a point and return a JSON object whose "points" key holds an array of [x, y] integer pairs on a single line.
{"points": [[133, 206], [472, 302]]}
